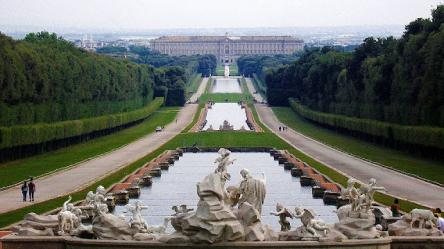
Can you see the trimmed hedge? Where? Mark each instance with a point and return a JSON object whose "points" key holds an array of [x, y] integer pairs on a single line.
{"points": [[39, 133], [415, 135]]}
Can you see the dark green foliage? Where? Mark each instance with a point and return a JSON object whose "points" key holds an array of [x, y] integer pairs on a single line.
{"points": [[261, 65], [398, 81], [174, 72], [111, 50], [20, 135], [412, 135], [44, 78]]}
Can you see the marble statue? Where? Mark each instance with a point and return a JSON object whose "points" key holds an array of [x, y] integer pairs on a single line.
{"points": [[136, 219], [226, 126], [419, 222], [226, 71], [223, 161], [356, 220], [350, 193], [252, 190], [283, 214], [69, 218], [365, 198], [310, 225]]}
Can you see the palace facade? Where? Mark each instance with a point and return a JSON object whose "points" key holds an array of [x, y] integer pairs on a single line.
{"points": [[226, 48]]}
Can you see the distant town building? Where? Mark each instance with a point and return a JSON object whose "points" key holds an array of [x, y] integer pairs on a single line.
{"points": [[226, 48]]}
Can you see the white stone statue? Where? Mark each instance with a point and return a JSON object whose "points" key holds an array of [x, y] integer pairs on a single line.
{"points": [[366, 192], [136, 218], [252, 190], [310, 224], [283, 214], [351, 193], [226, 71], [419, 222], [223, 161], [68, 220]]}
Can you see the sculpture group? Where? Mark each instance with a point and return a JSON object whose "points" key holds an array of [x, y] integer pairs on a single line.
{"points": [[225, 214]]}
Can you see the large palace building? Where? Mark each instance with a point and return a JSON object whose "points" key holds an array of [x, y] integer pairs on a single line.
{"points": [[226, 48]]}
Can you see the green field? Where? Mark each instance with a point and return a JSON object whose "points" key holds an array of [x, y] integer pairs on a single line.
{"points": [[193, 85], [227, 97], [233, 70], [19, 170], [425, 168]]}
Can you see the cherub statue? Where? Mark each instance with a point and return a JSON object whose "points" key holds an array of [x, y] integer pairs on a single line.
{"points": [[366, 192], [223, 161], [351, 193], [136, 211], [283, 214], [309, 223]]}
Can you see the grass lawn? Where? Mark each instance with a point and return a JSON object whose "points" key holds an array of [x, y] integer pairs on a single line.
{"points": [[193, 85], [227, 97], [432, 170], [19, 170], [220, 70]]}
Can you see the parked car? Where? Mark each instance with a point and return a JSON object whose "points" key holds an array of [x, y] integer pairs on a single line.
{"points": [[159, 128]]}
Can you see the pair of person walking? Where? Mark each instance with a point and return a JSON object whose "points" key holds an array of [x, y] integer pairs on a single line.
{"points": [[28, 189]]}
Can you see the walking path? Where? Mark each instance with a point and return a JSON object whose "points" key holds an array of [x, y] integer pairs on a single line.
{"points": [[200, 91], [395, 183], [253, 92], [83, 174]]}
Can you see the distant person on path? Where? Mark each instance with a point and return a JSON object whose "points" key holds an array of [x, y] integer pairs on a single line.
{"points": [[31, 189], [24, 190], [440, 220], [395, 208], [279, 128]]}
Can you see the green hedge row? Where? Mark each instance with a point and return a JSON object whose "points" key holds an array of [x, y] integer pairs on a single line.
{"points": [[415, 135], [39, 133]]}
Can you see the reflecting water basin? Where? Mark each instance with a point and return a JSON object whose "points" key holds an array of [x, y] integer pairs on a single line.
{"points": [[178, 186], [232, 112], [226, 85]]}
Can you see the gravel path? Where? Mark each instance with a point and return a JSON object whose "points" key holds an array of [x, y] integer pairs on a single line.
{"points": [[200, 91], [83, 174], [253, 92]]}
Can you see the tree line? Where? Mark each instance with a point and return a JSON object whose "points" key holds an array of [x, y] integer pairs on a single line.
{"points": [[399, 81], [172, 73], [45, 79]]}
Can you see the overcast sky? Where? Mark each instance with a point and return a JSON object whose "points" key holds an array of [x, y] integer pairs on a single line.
{"points": [[160, 14]]}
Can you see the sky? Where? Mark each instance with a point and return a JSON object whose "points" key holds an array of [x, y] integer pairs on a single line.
{"points": [[120, 15]]}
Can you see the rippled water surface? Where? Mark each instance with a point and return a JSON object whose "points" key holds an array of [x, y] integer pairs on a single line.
{"points": [[232, 112], [178, 186], [226, 85]]}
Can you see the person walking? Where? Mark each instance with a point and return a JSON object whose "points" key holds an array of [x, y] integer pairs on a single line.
{"points": [[31, 189], [24, 190], [395, 208], [279, 128], [439, 219]]}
